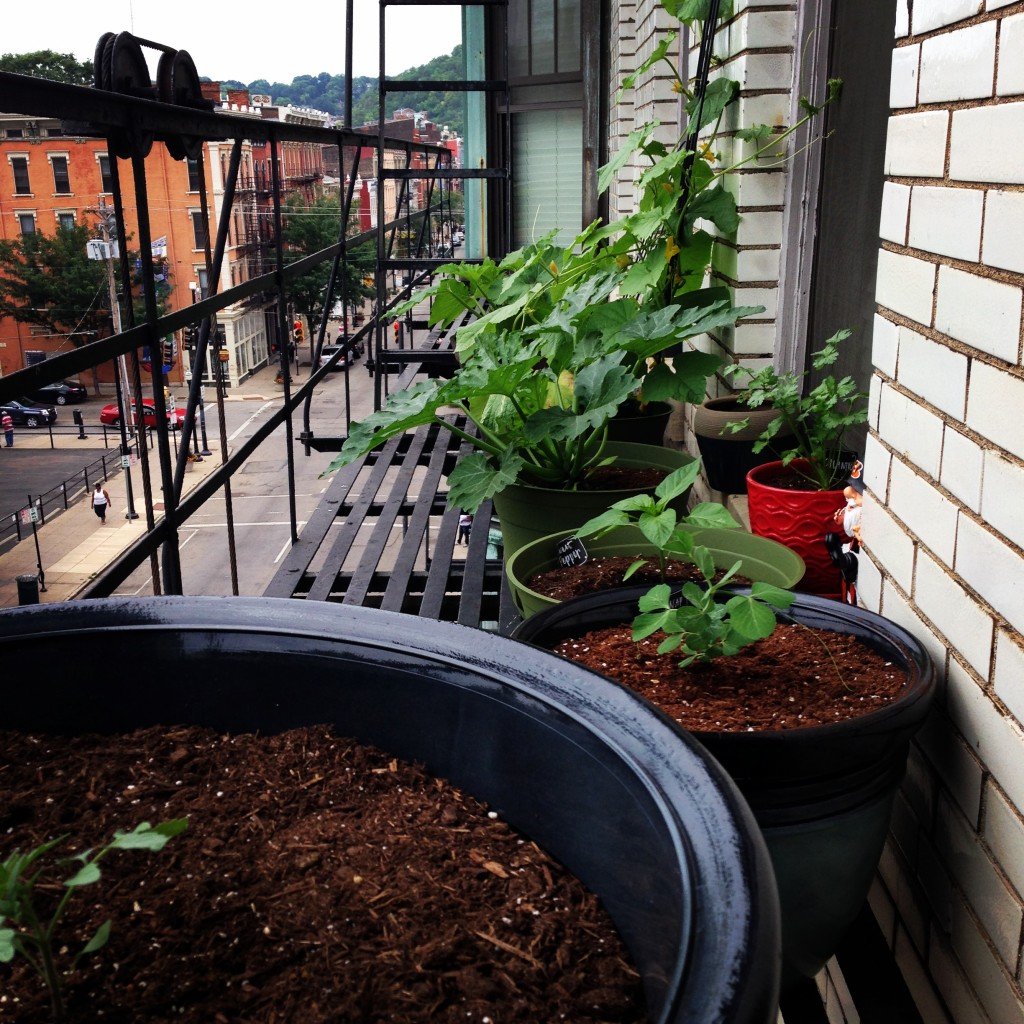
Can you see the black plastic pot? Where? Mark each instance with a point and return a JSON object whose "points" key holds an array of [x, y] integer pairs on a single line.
{"points": [[640, 813], [727, 457], [822, 795], [647, 427]]}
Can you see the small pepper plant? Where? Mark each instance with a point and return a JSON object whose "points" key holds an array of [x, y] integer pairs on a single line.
{"points": [[699, 624], [818, 420], [28, 932]]}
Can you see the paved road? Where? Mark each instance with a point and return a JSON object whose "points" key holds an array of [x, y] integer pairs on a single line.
{"points": [[260, 496]]}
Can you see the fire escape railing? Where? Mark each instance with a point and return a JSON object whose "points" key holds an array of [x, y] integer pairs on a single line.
{"points": [[123, 110]]}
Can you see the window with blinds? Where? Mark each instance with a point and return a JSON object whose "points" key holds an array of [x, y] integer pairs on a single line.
{"points": [[548, 191]]}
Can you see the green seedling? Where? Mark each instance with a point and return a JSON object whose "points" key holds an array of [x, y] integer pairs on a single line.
{"points": [[25, 929], [697, 623]]}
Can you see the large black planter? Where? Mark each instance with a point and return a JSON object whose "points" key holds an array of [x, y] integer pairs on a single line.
{"points": [[637, 810], [647, 427], [822, 795]]}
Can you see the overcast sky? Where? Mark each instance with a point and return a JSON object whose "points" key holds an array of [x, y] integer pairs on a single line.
{"points": [[248, 40]]}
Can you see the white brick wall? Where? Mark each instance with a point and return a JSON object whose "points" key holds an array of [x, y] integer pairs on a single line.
{"points": [[906, 285], [986, 143], [916, 144], [947, 560], [1010, 79], [946, 221], [936, 373], [958, 65], [979, 312], [1004, 229]]}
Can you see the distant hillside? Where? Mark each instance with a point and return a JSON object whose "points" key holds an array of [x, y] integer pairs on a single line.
{"points": [[327, 92]]}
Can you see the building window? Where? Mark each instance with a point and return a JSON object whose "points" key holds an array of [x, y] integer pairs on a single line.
{"points": [[61, 179], [66, 221], [27, 223], [55, 133], [204, 282], [106, 181], [14, 133], [193, 174], [21, 182], [198, 231]]}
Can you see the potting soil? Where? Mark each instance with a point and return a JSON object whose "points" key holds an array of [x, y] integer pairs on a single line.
{"points": [[798, 677], [319, 880]]}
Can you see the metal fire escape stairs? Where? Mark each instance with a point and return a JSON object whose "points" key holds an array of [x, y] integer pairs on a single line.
{"points": [[415, 268]]}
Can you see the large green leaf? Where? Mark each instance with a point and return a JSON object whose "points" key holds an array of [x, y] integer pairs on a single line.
{"points": [[148, 837], [717, 206], [719, 94], [635, 139], [678, 481], [750, 617], [406, 409], [601, 388], [658, 528], [773, 595], [709, 514], [608, 520], [697, 10], [476, 478], [86, 875]]}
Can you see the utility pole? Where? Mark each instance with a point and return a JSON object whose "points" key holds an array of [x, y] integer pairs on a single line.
{"points": [[106, 215]]}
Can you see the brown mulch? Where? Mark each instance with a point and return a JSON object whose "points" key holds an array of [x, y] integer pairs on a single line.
{"points": [[319, 880], [602, 572], [619, 478], [797, 677]]}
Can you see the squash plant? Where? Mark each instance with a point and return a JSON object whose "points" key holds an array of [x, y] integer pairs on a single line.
{"points": [[564, 336]]}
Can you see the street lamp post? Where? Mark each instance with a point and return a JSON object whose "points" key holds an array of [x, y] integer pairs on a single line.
{"points": [[194, 287]]}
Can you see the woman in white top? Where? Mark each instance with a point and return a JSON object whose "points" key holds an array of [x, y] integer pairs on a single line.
{"points": [[100, 501]]}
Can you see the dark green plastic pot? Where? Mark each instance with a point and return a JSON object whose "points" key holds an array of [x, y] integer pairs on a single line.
{"points": [[822, 795], [761, 560], [647, 427], [528, 513]]}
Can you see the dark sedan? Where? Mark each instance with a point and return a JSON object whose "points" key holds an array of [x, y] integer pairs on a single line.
{"points": [[60, 392], [29, 414]]}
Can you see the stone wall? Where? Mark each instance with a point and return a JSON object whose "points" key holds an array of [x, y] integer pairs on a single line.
{"points": [[943, 516]]}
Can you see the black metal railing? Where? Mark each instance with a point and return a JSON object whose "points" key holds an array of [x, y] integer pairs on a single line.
{"points": [[125, 113]]}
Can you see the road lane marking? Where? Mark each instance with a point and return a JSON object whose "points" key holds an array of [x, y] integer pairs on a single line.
{"points": [[220, 526], [261, 409]]}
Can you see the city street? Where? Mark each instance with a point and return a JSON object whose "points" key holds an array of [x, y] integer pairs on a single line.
{"points": [[260, 489]]}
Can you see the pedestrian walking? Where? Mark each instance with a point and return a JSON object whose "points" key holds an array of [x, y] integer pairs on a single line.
{"points": [[100, 501], [8, 424], [465, 525]]}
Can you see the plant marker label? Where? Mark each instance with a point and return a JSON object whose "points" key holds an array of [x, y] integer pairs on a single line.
{"points": [[571, 552]]}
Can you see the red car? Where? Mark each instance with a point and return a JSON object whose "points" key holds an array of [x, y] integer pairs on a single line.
{"points": [[111, 415]]}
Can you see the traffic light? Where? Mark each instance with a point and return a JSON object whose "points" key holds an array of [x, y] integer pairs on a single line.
{"points": [[297, 335], [168, 350]]}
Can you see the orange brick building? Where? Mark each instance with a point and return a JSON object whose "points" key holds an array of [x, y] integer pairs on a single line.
{"points": [[49, 180]]}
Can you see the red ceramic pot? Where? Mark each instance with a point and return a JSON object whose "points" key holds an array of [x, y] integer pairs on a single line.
{"points": [[798, 519]]}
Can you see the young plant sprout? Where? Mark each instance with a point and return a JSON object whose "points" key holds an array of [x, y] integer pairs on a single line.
{"points": [[27, 932], [701, 627]]}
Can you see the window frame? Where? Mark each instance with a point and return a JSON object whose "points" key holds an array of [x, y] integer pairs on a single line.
{"points": [[19, 214], [73, 214], [199, 240], [52, 158], [100, 157], [11, 159]]}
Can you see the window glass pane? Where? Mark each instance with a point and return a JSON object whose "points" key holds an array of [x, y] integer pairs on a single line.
{"points": [[518, 38], [568, 35], [61, 181], [107, 182], [543, 37], [14, 133], [66, 221], [204, 283], [27, 221], [193, 175], [20, 167], [547, 156], [197, 230]]}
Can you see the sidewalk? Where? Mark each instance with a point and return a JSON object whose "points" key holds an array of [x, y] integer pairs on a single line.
{"points": [[76, 546]]}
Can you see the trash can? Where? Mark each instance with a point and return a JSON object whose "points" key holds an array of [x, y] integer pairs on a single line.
{"points": [[28, 589]]}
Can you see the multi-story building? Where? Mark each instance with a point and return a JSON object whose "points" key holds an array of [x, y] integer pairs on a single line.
{"points": [[51, 180]]}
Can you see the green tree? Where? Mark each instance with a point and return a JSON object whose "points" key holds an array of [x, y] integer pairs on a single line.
{"points": [[308, 228], [48, 281], [57, 67]]}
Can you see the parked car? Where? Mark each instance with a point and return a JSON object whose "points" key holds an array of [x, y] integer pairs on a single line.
{"points": [[111, 415], [329, 350], [60, 392], [28, 413]]}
